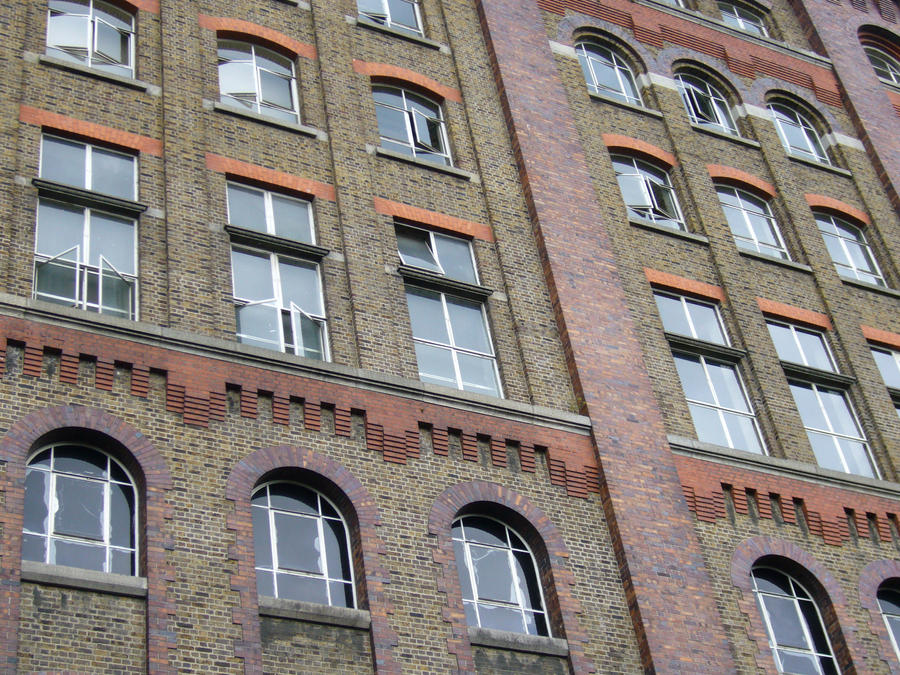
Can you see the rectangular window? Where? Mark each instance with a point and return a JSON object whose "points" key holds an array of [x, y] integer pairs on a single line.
{"points": [[270, 212], [800, 345], [888, 362]]}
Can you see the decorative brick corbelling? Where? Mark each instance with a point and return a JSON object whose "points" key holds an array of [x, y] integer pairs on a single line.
{"points": [[883, 337], [738, 178], [842, 208], [384, 71], [154, 478], [433, 219], [794, 314], [635, 146], [275, 39], [870, 580], [90, 130], [364, 518], [270, 177], [555, 554], [673, 282]]}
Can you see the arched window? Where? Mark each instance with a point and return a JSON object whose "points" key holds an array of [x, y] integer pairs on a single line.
{"points": [[258, 79], [80, 510], [794, 624], [797, 133], [889, 603], [607, 73], [743, 18], [706, 105], [885, 65], [751, 222], [95, 33], [849, 249], [411, 124], [501, 587], [302, 546], [647, 192]]}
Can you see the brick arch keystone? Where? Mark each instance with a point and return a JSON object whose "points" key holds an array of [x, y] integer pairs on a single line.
{"points": [[244, 476], [837, 206], [15, 447], [273, 38], [870, 579], [738, 178]]}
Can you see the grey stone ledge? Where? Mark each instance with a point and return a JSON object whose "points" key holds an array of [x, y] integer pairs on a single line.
{"points": [[685, 343], [798, 371], [734, 138], [410, 37], [820, 165], [271, 121], [441, 168], [670, 231], [98, 74], [518, 642], [633, 107], [229, 351], [314, 612], [424, 278], [789, 468], [775, 261], [86, 580], [884, 290]]}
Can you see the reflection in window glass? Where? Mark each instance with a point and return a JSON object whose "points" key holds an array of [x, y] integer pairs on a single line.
{"points": [[398, 14], [751, 222], [687, 316], [270, 212], [705, 104], [849, 250], [888, 362], [797, 133], [607, 73], [439, 253], [411, 124], [647, 192], [801, 345], [95, 33], [257, 79]]}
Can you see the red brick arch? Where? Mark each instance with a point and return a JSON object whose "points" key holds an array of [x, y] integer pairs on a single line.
{"points": [[385, 72], [737, 178], [240, 28], [635, 146], [870, 580], [838, 207]]}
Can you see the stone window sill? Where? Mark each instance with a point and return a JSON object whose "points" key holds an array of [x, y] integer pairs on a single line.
{"points": [[314, 612], [441, 168], [820, 165], [776, 261], [672, 232], [856, 283], [427, 279], [85, 580], [734, 138], [633, 107], [256, 117], [381, 28], [54, 62], [518, 642]]}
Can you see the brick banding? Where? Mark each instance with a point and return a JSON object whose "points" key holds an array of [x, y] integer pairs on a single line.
{"points": [[618, 142], [836, 205], [269, 177], [883, 337], [794, 314], [433, 219], [728, 174], [673, 282], [384, 71], [90, 130], [240, 28]]}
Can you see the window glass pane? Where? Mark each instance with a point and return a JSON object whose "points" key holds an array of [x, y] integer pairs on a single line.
{"points": [[34, 548], [826, 451], [274, 62], [252, 274], [708, 425], [786, 623], [808, 405], [772, 581], [246, 208], [671, 311], [56, 283], [80, 460], [484, 531], [889, 366], [292, 219], [293, 587], [706, 322], [262, 544], [72, 554], [634, 193], [371, 7], [493, 577], [265, 583], [403, 13], [112, 44], [79, 508], [415, 248], [112, 238], [121, 562], [726, 385], [798, 664], [838, 412], [435, 365], [501, 618], [258, 325], [112, 173], [785, 345], [237, 79], [341, 594], [36, 500], [427, 316], [857, 457], [743, 432], [121, 515], [297, 543], [60, 228], [312, 340], [63, 161], [813, 345], [70, 34], [456, 258], [889, 601], [392, 123], [693, 378], [294, 498], [467, 322], [276, 90], [461, 567], [478, 374], [336, 549], [527, 578], [300, 285]]}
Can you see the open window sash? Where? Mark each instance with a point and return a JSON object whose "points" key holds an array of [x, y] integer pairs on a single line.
{"points": [[115, 293], [112, 46], [702, 106], [663, 200], [51, 276], [427, 132], [374, 9], [258, 323], [307, 333]]}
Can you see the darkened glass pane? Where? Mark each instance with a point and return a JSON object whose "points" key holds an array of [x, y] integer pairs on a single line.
{"points": [[415, 248], [889, 600], [84, 556], [63, 161], [493, 577], [302, 588], [798, 664], [816, 630], [262, 543], [391, 97], [112, 173], [80, 460], [528, 582], [297, 543], [293, 497], [42, 459], [37, 485], [121, 515], [121, 562], [336, 551], [471, 617], [536, 624], [484, 531], [786, 623], [34, 548], [771, 581], [501, 618], [462, 568], [265, 583], [327, 509], [341, 594], [80, 512]]}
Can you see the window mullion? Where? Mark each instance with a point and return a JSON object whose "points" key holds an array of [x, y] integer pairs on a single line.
{"points": [[279, 297]]}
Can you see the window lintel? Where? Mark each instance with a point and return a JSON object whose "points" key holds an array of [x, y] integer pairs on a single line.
{"points": [[438, 282], [817, 375], [276, 244], [88, 198], [695, 346]]}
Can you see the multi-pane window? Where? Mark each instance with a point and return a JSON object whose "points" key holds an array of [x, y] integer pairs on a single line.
{"points": [[888, 362], [452, 340], [647, 192], [399, 14], [607, 73], [706, 105], [411, 124], [501, 587], [801, 345], [80, 510], [797, 133], [743, 18], [751, 222], [885, 65], [302, 546], [270, 212], [95, 33], [889, 603], [257, 79], [849, 249], [794, 625], [86, 257], [279, 303], [719, 406]]}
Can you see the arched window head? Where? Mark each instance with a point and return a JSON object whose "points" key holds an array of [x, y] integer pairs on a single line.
{"points": [[95, 33], [751, 222], [889, 603], [501, 588], [797, 133], [743, 18], [400, 15], [794, 624], [80, 510], [607, 73], [885, 65], [301, 544], [648, 192], [258, 79], [706, 104], [411, 124], [849, 249]]}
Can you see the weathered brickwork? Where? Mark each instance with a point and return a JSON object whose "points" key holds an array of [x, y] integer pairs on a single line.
{"points": [[291, 647]]}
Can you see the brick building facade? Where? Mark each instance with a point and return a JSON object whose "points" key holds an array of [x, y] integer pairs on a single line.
{"points": [[449, 336]]}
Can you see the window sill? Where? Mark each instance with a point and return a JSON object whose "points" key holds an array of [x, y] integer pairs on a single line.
{"points": [[518, 642], [256, 117], [679, 234], [871, 287], [442, 168], [820, 165], [684, 343], [624, 104], [771, 259], [86, 580], [275, 243], [365, 22], [76, 195], [438, 282], [314, 612], [734, 138], [54, 62], [798, 371]]}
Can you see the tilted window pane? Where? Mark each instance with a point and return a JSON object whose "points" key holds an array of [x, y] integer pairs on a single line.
{"points": [[415, 248], [411, 124]]}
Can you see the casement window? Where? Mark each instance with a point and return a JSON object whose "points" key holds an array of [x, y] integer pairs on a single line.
{"points": [[707, 367], [889, 604], [888, 362], [706, 105], [301, 545], [743, 18], [270, 212], [500, 583], [80, 510], [607, 73], [849, 250], [794, 625], [401, 15], [446, 311], [647, 192], [751, 222], [885, 65], [797, 133], [411, 124], [86, 243], [258, 79], [96, 33], [802, 346]]}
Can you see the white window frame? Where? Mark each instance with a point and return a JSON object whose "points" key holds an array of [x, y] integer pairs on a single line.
{"points": [[891, 354], [830, 227], [416, 147], [434, 249], [89, 149], [92, 57], [384, 15], [786, 115], [743, 18], [886, 67], [651, 178], [695, 89], [256, 104], [686, 308], [747, 204], [805, 359], [593, 55], [268, 196]]}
